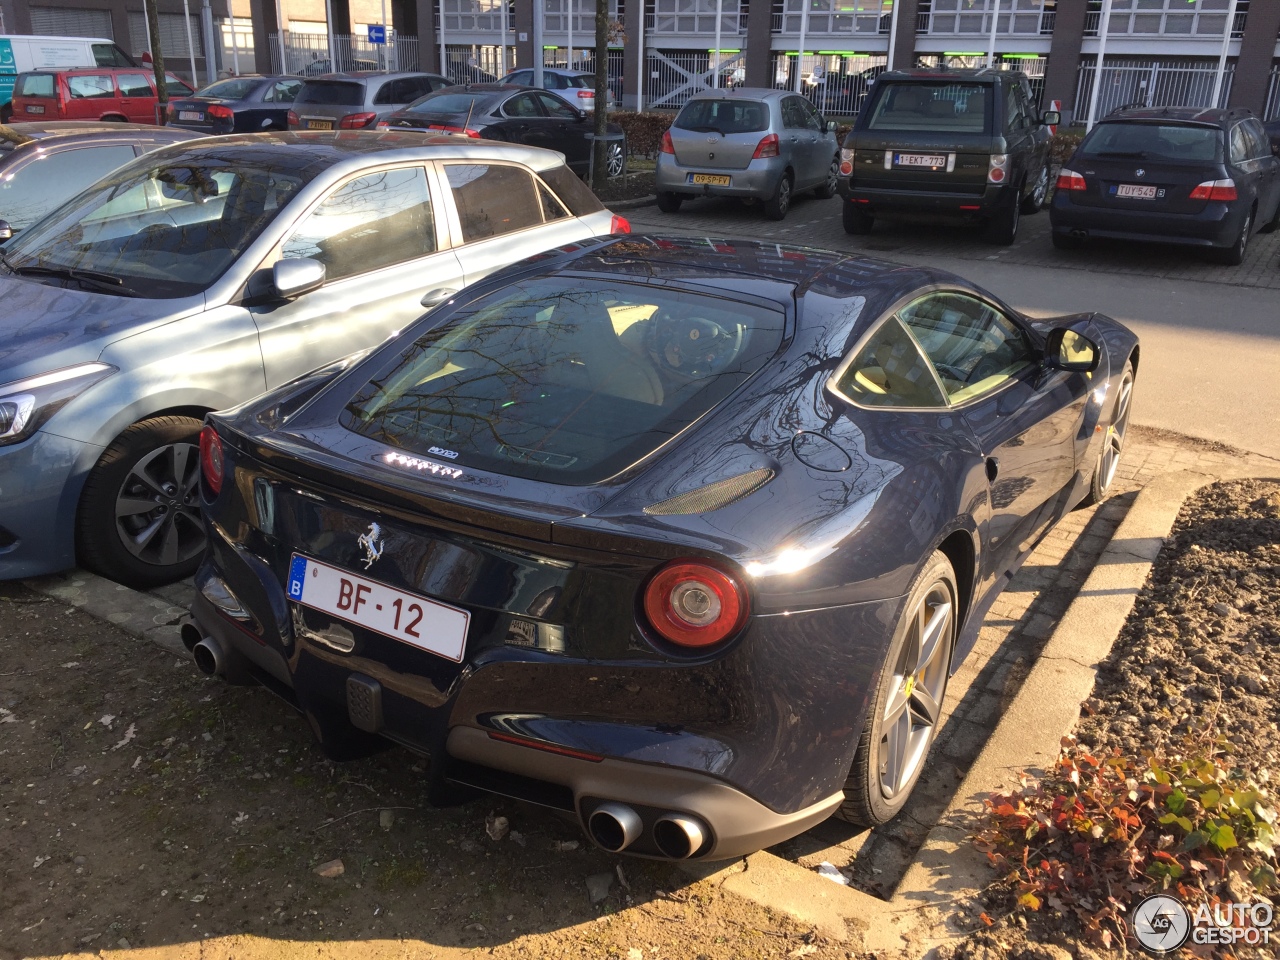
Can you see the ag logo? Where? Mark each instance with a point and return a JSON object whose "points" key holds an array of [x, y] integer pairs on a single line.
{"points": [[1162, 924]]}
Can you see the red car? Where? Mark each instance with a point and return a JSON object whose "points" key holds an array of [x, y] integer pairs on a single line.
{"points": [[91, 93]]}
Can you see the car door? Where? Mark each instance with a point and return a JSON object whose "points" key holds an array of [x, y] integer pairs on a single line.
{"points": [[822, 150], [1026, 420], [379, 235], [516, 124], [1019, 137], [501, 213], [1263, 167], [568, 131], [91, 96], [137, 97]]}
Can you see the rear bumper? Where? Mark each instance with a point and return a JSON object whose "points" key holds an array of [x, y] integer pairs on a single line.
{"points": [[884, 199], [759, 179], [1218, 225]]}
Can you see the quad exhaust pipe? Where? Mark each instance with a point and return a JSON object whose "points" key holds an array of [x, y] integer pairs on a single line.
{"points": [[614, 826], [678, 836], [212, 658]]}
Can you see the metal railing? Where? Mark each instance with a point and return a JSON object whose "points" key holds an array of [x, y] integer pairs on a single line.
{"points": [[477, 63], [1272, 110], [1025, 18], [1176, 19], [578, 14], [686, 17], [1151, 83], [833, 17], [307, 54], [673, 76], [836, 84]]}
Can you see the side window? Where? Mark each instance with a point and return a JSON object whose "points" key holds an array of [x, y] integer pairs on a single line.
{"points": [[134, 85], [1013, 116], [45, 182], [522, 77], [812, 120], [420, 87], [890, 371], [973, 347], [373, 221], [792, 115], [1259, 142], [556, 107], [176, 87], [91, 87], [1239, 144], [522, 105], [552, 209], [493, 199], [386, 93], [109, 55], [285, 91]]}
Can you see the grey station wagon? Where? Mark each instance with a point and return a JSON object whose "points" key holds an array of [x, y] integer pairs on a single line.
{"points": [[357, 101], [202, 274]]}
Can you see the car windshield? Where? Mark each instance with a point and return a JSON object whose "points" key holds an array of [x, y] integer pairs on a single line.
{"points": [[332, 92], [165, 227], [723, 116], [943, 106], [1174, 142], [473, 103], [563, 379], [236, 89]]}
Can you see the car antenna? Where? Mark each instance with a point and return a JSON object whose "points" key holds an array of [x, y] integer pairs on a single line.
{"points": [[467, 125]]}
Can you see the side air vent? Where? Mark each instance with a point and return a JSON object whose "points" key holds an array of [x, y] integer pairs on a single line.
{"points": [[713, 496]]}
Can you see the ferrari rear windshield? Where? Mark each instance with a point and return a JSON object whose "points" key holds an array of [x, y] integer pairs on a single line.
{"points": [[565, 380]]}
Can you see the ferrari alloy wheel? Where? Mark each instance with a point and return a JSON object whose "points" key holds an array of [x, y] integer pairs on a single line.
{"points": [[907, 709], [1104, 472]]}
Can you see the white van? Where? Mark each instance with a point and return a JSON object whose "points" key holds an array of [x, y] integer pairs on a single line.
{"points": [[18, 54]]}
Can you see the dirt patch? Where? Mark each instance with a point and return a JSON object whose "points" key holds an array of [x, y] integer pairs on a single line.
{"points": [[1196, 667], [629, 186], [144, 806]]}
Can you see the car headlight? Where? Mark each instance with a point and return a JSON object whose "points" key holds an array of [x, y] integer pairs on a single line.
{"points": [[25, 405]]}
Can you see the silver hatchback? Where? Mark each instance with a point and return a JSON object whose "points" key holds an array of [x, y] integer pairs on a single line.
{"points": [[749, 142], [204, 273]]}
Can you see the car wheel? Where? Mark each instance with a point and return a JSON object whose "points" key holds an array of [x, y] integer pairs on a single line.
{"points": [[669, 202], [907, 707], [1034, 201], [828, 188], [1104, 471], [1233, 255], [615, 160], [1002, 228], [776, 207], [139, 517], [856, 222], [1065, 241]]}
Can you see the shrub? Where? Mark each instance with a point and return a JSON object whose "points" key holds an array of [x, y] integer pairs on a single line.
{"points": [[1063, 144], [644, 130]]}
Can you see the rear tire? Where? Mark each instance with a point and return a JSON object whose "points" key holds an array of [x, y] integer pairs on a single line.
{"points": [[856, 222], [1002, 228], [827, 190], [906, 708], [776, 207], [615, 160], [139, 517], [1034, 201], [1234, 255], [669, 202]]}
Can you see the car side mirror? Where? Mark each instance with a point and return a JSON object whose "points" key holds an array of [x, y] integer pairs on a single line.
{"points": [[1051, 118], [831, 126], [293, 278], [1068, 350], [6, 231]]}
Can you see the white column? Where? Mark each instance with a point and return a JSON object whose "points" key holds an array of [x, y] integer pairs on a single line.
{"points": [[284, 62], [328, 32], [386, 61], [539, 31], [804, 32], [1222, 57], [893, 33], [715, 80], [444, 63], [995, 22], [191, 47], [502, 50], [644, 66], [235, 45], [1103, 26], [571, 4]]}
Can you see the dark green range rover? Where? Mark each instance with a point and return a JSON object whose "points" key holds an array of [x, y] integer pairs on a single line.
{"points": [[956, 143]]}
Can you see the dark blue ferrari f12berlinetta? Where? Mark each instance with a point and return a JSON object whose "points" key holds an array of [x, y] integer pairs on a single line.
{"points": [[681, 537]]}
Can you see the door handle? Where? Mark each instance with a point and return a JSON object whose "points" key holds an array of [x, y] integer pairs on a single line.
{"points": [[438, 295]]}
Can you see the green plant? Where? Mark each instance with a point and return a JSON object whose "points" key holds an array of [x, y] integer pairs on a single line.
{"points": [[1099, 832], [643, 130], [1063, 144]]}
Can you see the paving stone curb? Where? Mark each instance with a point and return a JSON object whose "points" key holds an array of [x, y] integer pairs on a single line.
{"points": [[636, 204]]}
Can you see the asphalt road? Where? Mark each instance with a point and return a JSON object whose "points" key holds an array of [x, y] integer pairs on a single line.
{"points": [[1210, 334]]}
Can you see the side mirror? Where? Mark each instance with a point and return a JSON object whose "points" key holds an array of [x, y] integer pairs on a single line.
{"points": [[831, 126], [1051, 118], [6, 231], [1068, 350], [293, 278]]}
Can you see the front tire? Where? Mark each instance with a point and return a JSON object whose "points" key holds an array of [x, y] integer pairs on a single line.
{"points": [[1034, 201], [776, 207], [1104, 471], [907, 707], [856, 222], [139, 516], [669, 202], [828, 188]]}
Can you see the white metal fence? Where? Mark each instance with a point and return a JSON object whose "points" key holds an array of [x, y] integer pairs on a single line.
{"points": [[477, 63], [308, 54], [1272, 111], [832, 17], [973, 18], [836, 83], [1151, 83], [673, 76]]}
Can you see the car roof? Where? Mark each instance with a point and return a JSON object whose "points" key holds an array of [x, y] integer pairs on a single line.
{"points": [[148, 70], [965, 74], [371, 75], [1212, 116], [81, 128], [743, 93]]}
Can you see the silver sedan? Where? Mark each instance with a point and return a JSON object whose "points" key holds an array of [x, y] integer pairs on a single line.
{"points": [[202, 274]]}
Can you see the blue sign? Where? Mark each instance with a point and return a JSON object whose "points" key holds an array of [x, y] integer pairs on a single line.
{"points": [[377, 33]]}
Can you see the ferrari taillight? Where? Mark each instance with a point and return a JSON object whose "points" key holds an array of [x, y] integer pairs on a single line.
{"points": [[694, 604], [211, 462]]}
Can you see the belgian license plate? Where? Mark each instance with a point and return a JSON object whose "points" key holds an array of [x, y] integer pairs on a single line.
{"points": [[714, 179], [190, 115], [319, 124], [35, 108], [407, 617], [920, 160], [1136, 191]]}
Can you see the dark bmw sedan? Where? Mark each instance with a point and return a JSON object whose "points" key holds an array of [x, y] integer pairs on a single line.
{"points": [[683, 538], [527, 115], [1184, 175], [248, 104]]}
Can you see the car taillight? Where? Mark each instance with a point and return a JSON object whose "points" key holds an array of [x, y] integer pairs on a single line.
{"points": [[1215, 190], [445, 128], [846, 162], [1070, 180], [383, 125], [293, 120], [767, 147], [998, 168], [211, 459], [586, 94], [357, 121], [667, 145], [693, 604], [619, 225], [219, 112]]}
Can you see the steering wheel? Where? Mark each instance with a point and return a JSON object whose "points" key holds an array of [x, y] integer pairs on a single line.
{"points": [[952, 373], [988, 366], [692, 347]]}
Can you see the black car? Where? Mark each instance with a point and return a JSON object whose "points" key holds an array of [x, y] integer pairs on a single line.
{"points": [[955, 143], [1184, 175], [246, 104], [498, 111], [43, 164], [682, 537]]}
